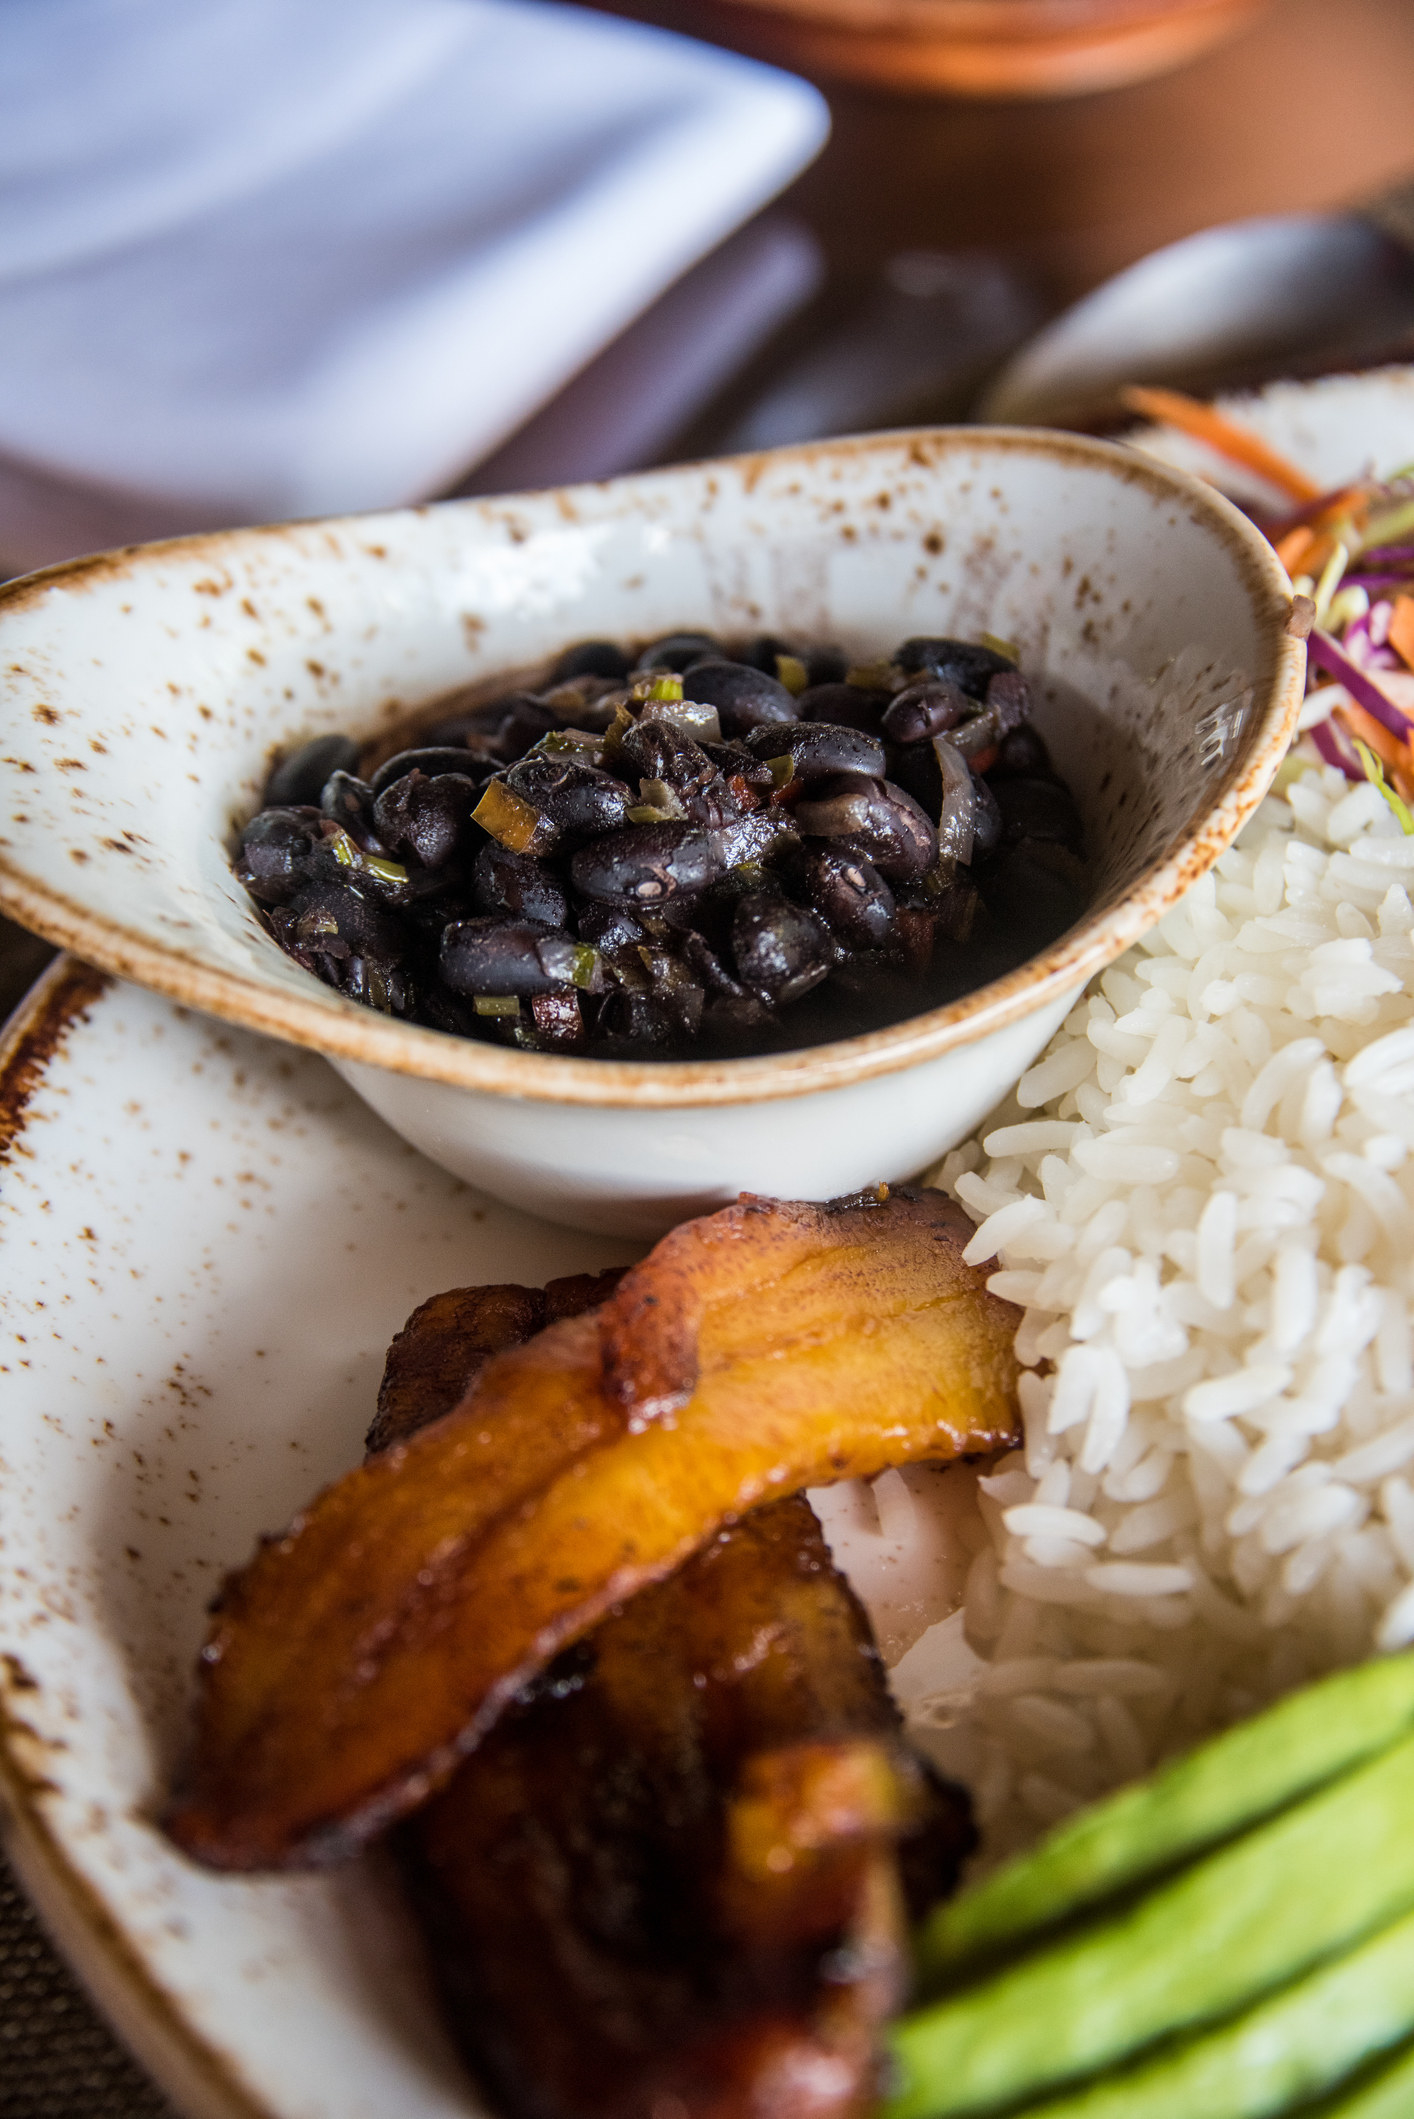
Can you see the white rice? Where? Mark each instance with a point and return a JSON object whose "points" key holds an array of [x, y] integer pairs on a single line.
{"points": [[1202, 1195]]}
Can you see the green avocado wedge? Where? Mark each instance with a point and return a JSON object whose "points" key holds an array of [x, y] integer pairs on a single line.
{"points": [[1211, 1794], [1385, 2092], [1251, 1915], [1314, 2033]]}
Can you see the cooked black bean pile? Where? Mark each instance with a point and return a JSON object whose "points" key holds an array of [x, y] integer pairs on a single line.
{"points": [[683, 855]]}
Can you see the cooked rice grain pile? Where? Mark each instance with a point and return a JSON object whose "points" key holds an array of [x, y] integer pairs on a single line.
{"points": [[1203, 1196]]}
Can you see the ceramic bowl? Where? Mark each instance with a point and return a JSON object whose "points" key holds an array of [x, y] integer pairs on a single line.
{"points": [[148, 689]]}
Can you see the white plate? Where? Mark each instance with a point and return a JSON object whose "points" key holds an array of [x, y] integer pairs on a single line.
{"points": [[206, 1243]]}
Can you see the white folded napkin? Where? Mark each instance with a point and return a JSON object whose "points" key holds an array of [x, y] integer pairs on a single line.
{"points": [[267, 258]]}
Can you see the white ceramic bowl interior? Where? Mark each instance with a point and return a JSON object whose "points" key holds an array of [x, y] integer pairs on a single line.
{"points": [[146, 692]]}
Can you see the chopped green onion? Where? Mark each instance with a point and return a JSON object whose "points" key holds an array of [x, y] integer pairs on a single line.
{"points": [[586, 967], [560, 740], [1375, 774], [666, 689], [378, 865], [662, 798], [1001, 647], [782, 769], [350, 855], [496, 1004], [511, 821], [792, 673]]}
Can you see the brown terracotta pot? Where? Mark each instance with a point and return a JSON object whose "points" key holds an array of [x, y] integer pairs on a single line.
{"points": [[979, 47]]}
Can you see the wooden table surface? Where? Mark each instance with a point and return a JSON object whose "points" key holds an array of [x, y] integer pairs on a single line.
{"points": [[1311, 106]]}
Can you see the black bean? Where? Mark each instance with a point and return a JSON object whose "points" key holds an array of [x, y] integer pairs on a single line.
{"points": [[927, 709], [276, 851], [300, 778], [735, 762], [743, 697], [850, 894], [503, 729], [873, 818], [1039, 809], [441, 1009], [1023, 753], [820, 747], [675, 651], [608, 928], [844, 705], [781, 949], [766, 649], [914, 768], [432, 759], [657, 750], [502, 957], [738, 1021], [754, 840], [826, 665], [591, 658], [986, 820], [429, 914], [339, 920], [1008, 701], [631, 1024], [643, 867], [673, 984], [516, 883], [959, 661], [347, 800], [707, 965], [429, 819], [378, 984], [580, 801]]}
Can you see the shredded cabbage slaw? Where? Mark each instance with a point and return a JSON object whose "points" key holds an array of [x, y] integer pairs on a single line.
{"points": [[1351, 551]]}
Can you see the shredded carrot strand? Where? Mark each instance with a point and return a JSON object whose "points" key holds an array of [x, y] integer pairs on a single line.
{"points": [[1392, 754], [1292, 548], [1401, 630], [1175, 409]]}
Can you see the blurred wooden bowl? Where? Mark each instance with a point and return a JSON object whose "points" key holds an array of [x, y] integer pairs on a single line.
{"points": [[997, 48]]}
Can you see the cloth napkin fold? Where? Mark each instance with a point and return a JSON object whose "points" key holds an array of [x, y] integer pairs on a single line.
{"points": [[268, 258]]}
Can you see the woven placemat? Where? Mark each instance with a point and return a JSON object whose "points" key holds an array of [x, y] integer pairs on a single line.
{"points": [[58, 2059]]}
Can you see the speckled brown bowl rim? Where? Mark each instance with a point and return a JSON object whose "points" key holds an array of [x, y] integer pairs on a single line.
{"points": [[345, 1031]]}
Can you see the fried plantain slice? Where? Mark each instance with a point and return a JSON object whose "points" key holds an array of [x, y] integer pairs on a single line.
{"points": [[671, 1872], [360, 1656], [447, 1342]]}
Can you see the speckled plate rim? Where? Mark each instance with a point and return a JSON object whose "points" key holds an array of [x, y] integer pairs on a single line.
{"points": [[155, 2029], [348, 1032]]}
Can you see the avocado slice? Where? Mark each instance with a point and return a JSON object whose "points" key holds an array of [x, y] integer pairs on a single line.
{"points": [[1243, 1920], [1207, 1796], [1386, 2092], [1317, 2032]]}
